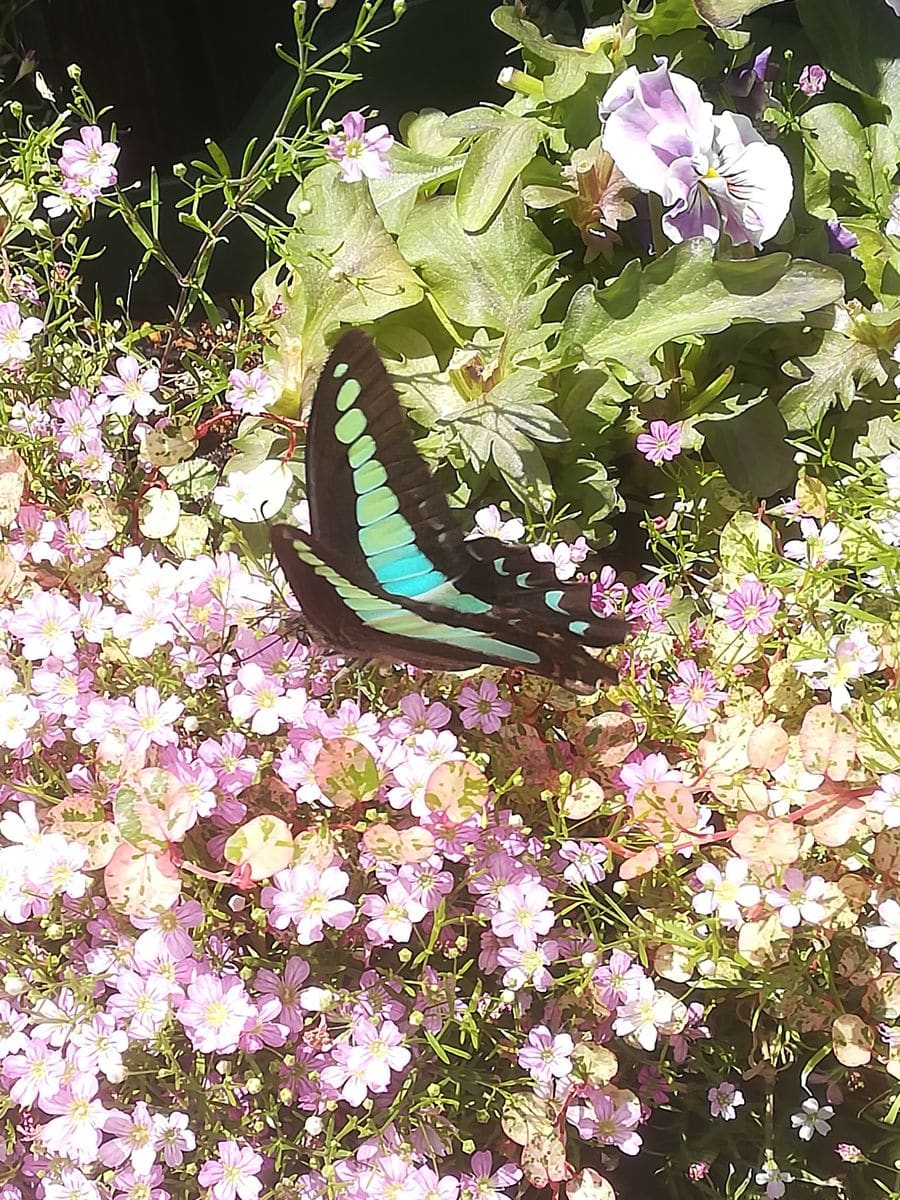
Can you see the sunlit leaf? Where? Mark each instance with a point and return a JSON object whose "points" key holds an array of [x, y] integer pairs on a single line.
{"points": [[264, 844], [141, 884], [346, 772], [459, 790]]}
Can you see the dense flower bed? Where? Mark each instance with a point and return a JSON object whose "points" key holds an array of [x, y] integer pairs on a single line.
{"points": [[280, 925]]}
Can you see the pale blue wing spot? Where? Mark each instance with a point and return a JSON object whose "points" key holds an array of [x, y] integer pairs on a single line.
{"points": [[347, 395], [415, 585], [498, 566], [522, 580], [361, 451], [391, 565], [579, 628], [340, 370], [553, 598], [383, 611], [348, 428]]}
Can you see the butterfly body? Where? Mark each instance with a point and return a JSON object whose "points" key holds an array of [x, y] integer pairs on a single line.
{"points": [[386, 572]]}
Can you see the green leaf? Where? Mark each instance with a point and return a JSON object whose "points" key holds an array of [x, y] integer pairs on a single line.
{"points": [[476, 277], [688, 291], [725, 13], [752, 451], [838, 369], [879, 255], [664, 17], [396, 195], [495, 161], [424, 133], [850, 167], [571, 65], [350, 267], [857, 40]]}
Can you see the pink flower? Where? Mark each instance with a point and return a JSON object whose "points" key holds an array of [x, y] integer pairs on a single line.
{"points": [[523, 914], [359, 153], [233, 1175], [77, 1120], [392, 916], [15, 334], [648, 602], [489, 523], [812, 80], [750, 607], [618, 979], [258, 698], [46, 625], [643, 1014], [131, 388], [215, 1012], [639, 778], [308, 897], [150, 722], [661, 444], [173, 1137], [87, 161], [482, 708], [607, 594], [546, 1056], [134, 1139], [696, 693], [419, 716], [485, 1183], [37, 1072], [608, 1115], [586, 862], [724, 1101], [250, 392]]}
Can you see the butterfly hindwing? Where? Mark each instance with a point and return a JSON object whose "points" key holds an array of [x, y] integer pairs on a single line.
{"points": [[359, 620]]}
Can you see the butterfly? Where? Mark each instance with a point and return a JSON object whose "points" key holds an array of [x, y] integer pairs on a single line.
{"points": [[386, 572]]}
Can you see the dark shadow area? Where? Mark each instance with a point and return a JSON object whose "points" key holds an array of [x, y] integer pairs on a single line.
{"points": [[180, 71]]}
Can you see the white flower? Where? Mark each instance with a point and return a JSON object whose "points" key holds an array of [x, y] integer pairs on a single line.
{"points": [[890, 464], [773, 1180], [892, 228], [490, 523], [256, 495], [886, 800], [725, 893], [565, 557], [645, 1014], [851, 657], [812, 1119], [887, 935], [818, 546]]}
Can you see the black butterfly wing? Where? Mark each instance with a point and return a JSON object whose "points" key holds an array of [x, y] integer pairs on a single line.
{"points": [[370, 622], [379, 520]]}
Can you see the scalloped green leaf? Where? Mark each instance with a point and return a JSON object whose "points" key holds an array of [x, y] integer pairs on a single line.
{"points": [[837, 370], [411, 171], [351, 269], [476, 277], [688, 291]]}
